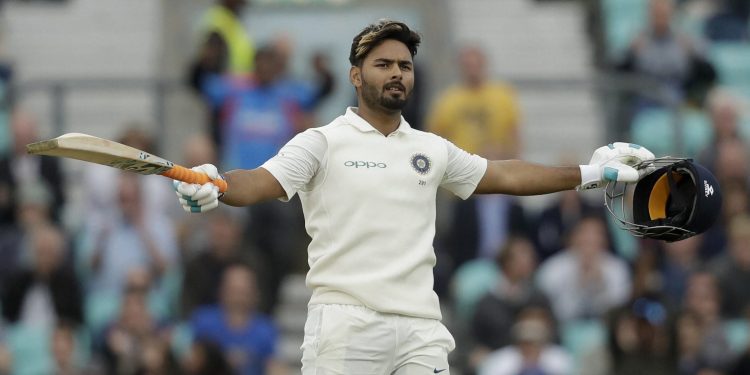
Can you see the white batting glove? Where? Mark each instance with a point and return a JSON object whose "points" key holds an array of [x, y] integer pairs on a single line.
{"points": [[199, 198], [614, 162]]}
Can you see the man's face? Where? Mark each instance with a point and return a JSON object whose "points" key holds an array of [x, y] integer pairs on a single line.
{"points": [[661, 15], [386, 76], [473, 65], [238, 289]]}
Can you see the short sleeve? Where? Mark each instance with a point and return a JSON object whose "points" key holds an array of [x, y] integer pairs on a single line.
{"points": [[463, 172], [298, 161]]}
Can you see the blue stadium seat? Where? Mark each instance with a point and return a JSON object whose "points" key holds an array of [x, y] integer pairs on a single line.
{"points": [[698, 131], [30, 348], [470, 282], [745, 128], [181, 339], [737, 332], [4, 119], [626, 244], [170, 289], [654, 129], [582, 336], [100, 308], [732, 61], [622, 21]]}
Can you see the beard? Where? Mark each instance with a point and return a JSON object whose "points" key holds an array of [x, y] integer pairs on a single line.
{"points": [[379, 98]]}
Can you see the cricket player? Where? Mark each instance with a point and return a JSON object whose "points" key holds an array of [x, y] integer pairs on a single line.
{"points": [[368, 185]]}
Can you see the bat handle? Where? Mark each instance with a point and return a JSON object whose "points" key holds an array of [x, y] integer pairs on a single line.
{"points": [[186, 175]]}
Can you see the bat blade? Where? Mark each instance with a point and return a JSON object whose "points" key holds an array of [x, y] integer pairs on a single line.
{"points": [[117, 155], [101, 151]]}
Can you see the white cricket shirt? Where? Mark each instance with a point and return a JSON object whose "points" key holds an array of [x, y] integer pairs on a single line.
{"points": [[369, 206]]}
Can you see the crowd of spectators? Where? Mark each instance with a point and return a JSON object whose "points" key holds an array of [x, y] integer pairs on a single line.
{"points": [[613, 307], [140, 287]]}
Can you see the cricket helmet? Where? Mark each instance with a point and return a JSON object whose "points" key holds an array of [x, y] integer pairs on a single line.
{"points": [[676, 199]]}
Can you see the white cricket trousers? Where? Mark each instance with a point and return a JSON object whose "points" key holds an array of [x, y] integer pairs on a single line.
{"points": [[355, 340]]}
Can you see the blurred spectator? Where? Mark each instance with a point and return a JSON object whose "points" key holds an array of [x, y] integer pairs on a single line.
{"points": [[732, 161], [724, 110], [479, 116], [64, 348], [192, 238], [669, 56], [48, 290], [732, 269], [33, 206], [736, 201], [323, 82], [6, 360], [515, 291], [700, 333], [481, 225], [680, 261], [100, 185], [203, 272], [205, 358], [533, 352], [135, 238], [647, 277], [585, 280], [19, 170], [732, 169], [125, 340], [247, 338], [157, 358], [226, 48], [641, 339], [260, 115], [161, 301], [557, 219], [197, 150]]}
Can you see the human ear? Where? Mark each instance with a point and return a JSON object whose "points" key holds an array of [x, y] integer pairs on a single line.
{"points": [[355, 76]]}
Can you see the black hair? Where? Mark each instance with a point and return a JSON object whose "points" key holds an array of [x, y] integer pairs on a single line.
{"points": [[374, 34]]}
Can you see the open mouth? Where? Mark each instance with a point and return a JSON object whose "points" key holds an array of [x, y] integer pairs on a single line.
{"points": [[395, 89]]}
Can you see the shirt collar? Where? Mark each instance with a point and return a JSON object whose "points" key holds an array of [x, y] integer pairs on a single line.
{"points": [[358, 122]]}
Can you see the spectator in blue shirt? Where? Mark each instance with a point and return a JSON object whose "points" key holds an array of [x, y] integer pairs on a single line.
{"points": [[247, 338], [259, 115]]}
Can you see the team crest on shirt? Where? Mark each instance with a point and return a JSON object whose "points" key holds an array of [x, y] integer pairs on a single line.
{"points": [[421, 163]]}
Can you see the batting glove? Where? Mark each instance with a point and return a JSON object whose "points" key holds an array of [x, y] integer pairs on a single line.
{"points": [[614, 162], [199, 198]]}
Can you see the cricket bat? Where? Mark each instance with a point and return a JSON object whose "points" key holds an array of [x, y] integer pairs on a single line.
{"points": [[117, 155]]}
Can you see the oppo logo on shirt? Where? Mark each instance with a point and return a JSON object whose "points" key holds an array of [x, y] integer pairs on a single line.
{"points": [[364, 164]]}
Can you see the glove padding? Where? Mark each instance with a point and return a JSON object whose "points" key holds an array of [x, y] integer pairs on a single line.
{"points": [[199, 198], [615, 162]]}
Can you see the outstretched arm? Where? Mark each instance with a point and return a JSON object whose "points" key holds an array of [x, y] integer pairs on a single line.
{"points": [[244, 187], [249, 186], [287, 172], [516, 177], [613, 162]]}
